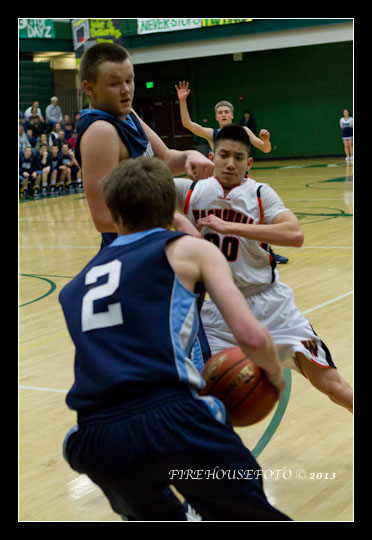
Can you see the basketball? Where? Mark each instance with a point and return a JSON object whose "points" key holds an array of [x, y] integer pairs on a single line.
{"points": [[241, 385]]}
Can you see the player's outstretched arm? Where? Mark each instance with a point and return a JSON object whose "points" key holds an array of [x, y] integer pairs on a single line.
{"points": [[262, 142], [191, 162], [183, 92]]}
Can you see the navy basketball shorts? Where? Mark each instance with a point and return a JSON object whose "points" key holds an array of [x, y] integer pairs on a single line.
{"points": [[137, 451]]}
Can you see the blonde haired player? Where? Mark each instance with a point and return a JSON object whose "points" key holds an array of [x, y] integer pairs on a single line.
{"points": [[224, 114], [242, 217]]}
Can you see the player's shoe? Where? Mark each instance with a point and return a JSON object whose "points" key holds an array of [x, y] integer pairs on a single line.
{"points": [[191, 514], [279, 259]]}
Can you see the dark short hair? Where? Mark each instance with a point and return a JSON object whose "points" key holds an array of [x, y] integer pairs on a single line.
{"points": [[236, 133], [142, 192], [98, 53]]}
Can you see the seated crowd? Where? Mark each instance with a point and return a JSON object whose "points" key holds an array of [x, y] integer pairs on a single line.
{"points": [[47, 164]]}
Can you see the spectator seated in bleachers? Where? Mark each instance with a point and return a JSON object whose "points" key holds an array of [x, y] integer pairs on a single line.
{"points": [[23, 139], [47, 164], [53, 113], [27, 173]]}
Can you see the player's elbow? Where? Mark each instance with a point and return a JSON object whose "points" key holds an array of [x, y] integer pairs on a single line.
{"points": [[297, 238], [103, 222]]}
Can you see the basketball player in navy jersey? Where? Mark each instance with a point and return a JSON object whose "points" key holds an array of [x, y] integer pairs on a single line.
{"points": [[132, 316], [110, 131]]}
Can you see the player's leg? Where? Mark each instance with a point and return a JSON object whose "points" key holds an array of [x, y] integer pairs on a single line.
{"points": [[216, 473], [67, 183], [327, 380], [111, 456], [53, 178], [350, 145], [61, 179], [346, 149], [44, 181]]}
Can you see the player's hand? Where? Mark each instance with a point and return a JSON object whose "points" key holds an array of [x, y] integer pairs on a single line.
{"points": [[182, 224], [213, 222], [264, 135], [183, 90], [197, 166]]}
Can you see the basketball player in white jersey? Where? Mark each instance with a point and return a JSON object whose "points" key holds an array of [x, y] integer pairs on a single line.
{"points": [[224, 113], [243, 217]]}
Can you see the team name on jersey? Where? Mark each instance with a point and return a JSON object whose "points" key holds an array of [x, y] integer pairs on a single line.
{"points": [[227, 214]]}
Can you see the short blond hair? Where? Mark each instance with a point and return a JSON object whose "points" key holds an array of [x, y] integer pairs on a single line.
{"points": [[224, 104]]}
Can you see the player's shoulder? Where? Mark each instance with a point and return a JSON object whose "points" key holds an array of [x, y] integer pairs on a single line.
{"points": [[101, 127], [252, 184], [191, 246], [206, 183], [99, 135]]}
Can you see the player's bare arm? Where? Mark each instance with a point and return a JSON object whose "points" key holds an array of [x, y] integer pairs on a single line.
{"points": [[195, 164], [284, 230], [262, 142], [102, 150], [183, 92], [196, 260]]}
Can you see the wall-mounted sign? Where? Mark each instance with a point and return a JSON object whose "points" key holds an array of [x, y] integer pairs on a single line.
{"points": [[36, 28], [151, 26]]}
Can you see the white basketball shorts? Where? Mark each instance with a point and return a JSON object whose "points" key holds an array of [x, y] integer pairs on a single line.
{"points": [[290, 331]]}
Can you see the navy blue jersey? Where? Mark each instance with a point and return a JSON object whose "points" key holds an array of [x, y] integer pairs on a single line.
{"points": [[129, 130], [215, 134], [55, 161], [347, 128], [133, 324], [39, 164], [27, 164]]}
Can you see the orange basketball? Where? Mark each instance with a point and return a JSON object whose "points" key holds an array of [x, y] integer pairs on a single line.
{"points": [[241, 385]]}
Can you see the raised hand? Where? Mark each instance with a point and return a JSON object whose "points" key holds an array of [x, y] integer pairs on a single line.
{"points": [[182, 90]]}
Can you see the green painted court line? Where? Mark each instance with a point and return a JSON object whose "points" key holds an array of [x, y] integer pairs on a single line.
{"points": [[314, 166], [52, 288], [278, 415]]}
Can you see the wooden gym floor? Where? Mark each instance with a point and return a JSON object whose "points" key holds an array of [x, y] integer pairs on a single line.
{"points": [[305, 447]]}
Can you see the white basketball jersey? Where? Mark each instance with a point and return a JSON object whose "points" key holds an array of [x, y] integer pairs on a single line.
{"points": [[252, 262]]}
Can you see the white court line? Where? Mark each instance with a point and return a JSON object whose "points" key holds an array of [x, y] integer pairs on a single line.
{"points": [[42, 389], [327, 247], [319, 306], [27, 218], [327, 303], [59, 247]]}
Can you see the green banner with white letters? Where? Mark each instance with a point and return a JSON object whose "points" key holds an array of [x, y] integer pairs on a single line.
{"points": [[36, 28]]}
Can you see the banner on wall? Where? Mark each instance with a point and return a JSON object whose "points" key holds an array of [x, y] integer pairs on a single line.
{"points": [[36, 28], [87, 32], [151, 26]]}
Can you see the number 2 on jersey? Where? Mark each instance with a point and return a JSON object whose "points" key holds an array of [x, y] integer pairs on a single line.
{"points": [[113, 315]]}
